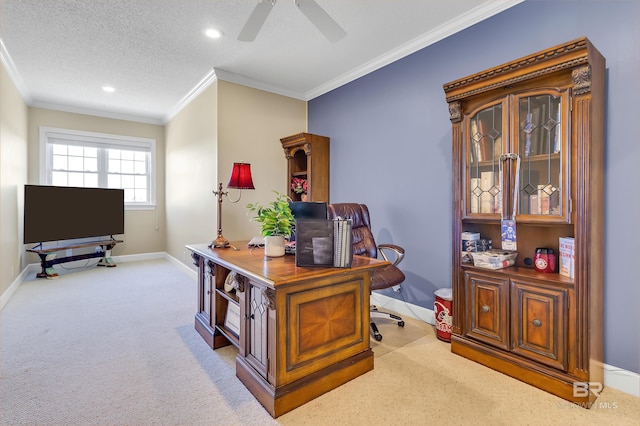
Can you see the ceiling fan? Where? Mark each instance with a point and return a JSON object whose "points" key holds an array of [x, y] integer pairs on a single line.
{"points": [[312, 10]]}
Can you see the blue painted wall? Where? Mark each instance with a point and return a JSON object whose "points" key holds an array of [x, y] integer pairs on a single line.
{"points": [[391, 146]]}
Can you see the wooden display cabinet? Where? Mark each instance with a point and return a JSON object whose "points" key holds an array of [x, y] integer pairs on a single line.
{"points": [[528, 143], [308, 158]]}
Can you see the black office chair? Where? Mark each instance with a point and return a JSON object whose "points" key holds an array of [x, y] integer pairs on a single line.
{"points": [[365, 245]]}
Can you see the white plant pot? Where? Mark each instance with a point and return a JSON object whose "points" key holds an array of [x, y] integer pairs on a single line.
{"points": [[274, 245]]}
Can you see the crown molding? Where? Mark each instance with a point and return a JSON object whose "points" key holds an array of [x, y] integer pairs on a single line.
{"points": [[478, 14], [459, 23], [206, 81], [28, 99], [257, 84], [95, 112], [13, 73]]}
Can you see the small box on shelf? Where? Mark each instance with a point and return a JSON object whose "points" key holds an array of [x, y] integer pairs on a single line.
{"points": [[471, 236], [494, 259], [483, 244]]}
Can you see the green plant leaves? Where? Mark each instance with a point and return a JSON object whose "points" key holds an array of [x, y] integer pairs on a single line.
{"points": [[275, 218]]}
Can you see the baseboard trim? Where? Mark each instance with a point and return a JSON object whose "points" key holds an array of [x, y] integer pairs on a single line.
{"points": [[8, 293], [182, 266], [614, 377], [403, 308]]}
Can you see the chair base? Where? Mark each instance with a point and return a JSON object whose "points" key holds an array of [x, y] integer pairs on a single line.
{"points": [[374, 312]]}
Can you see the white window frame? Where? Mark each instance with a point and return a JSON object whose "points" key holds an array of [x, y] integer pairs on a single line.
{"points": [[102, 140]]}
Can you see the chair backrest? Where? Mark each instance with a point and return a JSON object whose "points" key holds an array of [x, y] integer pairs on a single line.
{"points": [[362, 238], [364, 244]]}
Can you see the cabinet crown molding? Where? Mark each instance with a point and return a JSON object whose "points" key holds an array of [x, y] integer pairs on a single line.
{"points": [[564, 56]]}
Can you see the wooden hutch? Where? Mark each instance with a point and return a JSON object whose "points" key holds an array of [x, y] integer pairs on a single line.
{"points": [[546, 112], [308, 158]]}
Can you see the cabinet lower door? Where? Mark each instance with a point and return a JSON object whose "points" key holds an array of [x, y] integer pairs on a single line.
{"points": [[257, 337], [488, 303], [208, 285], [539, 323]]}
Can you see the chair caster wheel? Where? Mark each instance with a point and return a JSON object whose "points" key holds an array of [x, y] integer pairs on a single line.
{"points": [[378, 337], [400, 323]]}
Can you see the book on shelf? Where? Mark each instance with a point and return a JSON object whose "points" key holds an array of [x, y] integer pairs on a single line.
{"points": [[567, 257], [232, 318], [488, 202], [321, 242], [474, 199], [544, 193]]}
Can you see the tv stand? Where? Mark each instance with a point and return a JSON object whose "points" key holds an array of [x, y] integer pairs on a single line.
{"points": [[48, 255]]}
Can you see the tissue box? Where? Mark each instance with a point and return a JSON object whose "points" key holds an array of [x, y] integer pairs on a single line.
{"points": [[494, 259]]}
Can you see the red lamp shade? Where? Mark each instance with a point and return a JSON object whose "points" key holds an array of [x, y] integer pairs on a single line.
{"points": [[241, 176]]}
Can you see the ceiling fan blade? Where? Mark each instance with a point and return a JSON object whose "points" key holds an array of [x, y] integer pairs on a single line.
{"points": [[321, 19], [256, 20]]}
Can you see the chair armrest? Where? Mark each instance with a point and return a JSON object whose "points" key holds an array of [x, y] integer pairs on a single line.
{"points": [[395, 249]]}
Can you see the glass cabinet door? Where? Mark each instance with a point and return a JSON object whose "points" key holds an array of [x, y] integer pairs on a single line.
{"points": [[542, 148], [484, 146]]}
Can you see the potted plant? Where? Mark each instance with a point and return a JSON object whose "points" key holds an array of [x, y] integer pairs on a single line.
{"points": [[276, 222]]}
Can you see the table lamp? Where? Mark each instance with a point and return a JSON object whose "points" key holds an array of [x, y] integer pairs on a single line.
{"points": [[240, 179]]}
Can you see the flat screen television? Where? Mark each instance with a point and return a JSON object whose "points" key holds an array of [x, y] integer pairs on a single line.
{"points": [[53, 213]]}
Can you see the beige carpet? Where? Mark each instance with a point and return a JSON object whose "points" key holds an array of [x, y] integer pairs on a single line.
{"points": [[118, 347]]}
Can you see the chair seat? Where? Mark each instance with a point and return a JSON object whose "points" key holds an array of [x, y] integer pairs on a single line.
{"points": [[386, 277]]}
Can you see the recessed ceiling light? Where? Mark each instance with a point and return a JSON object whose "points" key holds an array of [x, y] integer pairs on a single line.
{"points": [[213, 33], [108, 89]]}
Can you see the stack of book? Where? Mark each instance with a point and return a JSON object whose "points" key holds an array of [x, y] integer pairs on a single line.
{"points": [[321, 242]]}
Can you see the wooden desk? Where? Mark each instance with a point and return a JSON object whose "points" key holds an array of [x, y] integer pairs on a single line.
{"points": [[302, 331]]}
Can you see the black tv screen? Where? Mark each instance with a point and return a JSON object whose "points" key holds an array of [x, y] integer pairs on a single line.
{"points": [[53, 213]]}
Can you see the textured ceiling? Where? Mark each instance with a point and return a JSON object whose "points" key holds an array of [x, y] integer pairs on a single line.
{"points": [[60, 52]]}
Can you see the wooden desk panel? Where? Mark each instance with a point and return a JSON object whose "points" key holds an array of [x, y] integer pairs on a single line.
{"points": [[304, 330]]}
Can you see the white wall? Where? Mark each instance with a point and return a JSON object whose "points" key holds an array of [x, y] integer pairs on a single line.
{"points": [[191, 162], [13, 176], [226, 123], [251, 124]]}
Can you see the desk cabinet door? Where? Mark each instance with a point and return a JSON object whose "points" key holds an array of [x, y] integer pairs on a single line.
{"points": [[488, 301], [206, 290], [257, 336]]}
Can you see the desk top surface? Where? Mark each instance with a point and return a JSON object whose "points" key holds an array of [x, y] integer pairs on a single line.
{"points": [[252, 262]]}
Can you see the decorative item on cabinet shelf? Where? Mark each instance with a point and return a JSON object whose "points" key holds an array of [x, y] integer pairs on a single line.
{"points": [[494, 259], [472, 241], [276, 221], [299, 186], [545, 260]]}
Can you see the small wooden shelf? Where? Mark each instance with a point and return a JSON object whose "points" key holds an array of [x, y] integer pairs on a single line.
{"points": [[229, 296], [529, 273], [308, 157]]}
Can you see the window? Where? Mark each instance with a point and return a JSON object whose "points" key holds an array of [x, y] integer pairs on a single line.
{"points": [[87, 159]]}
